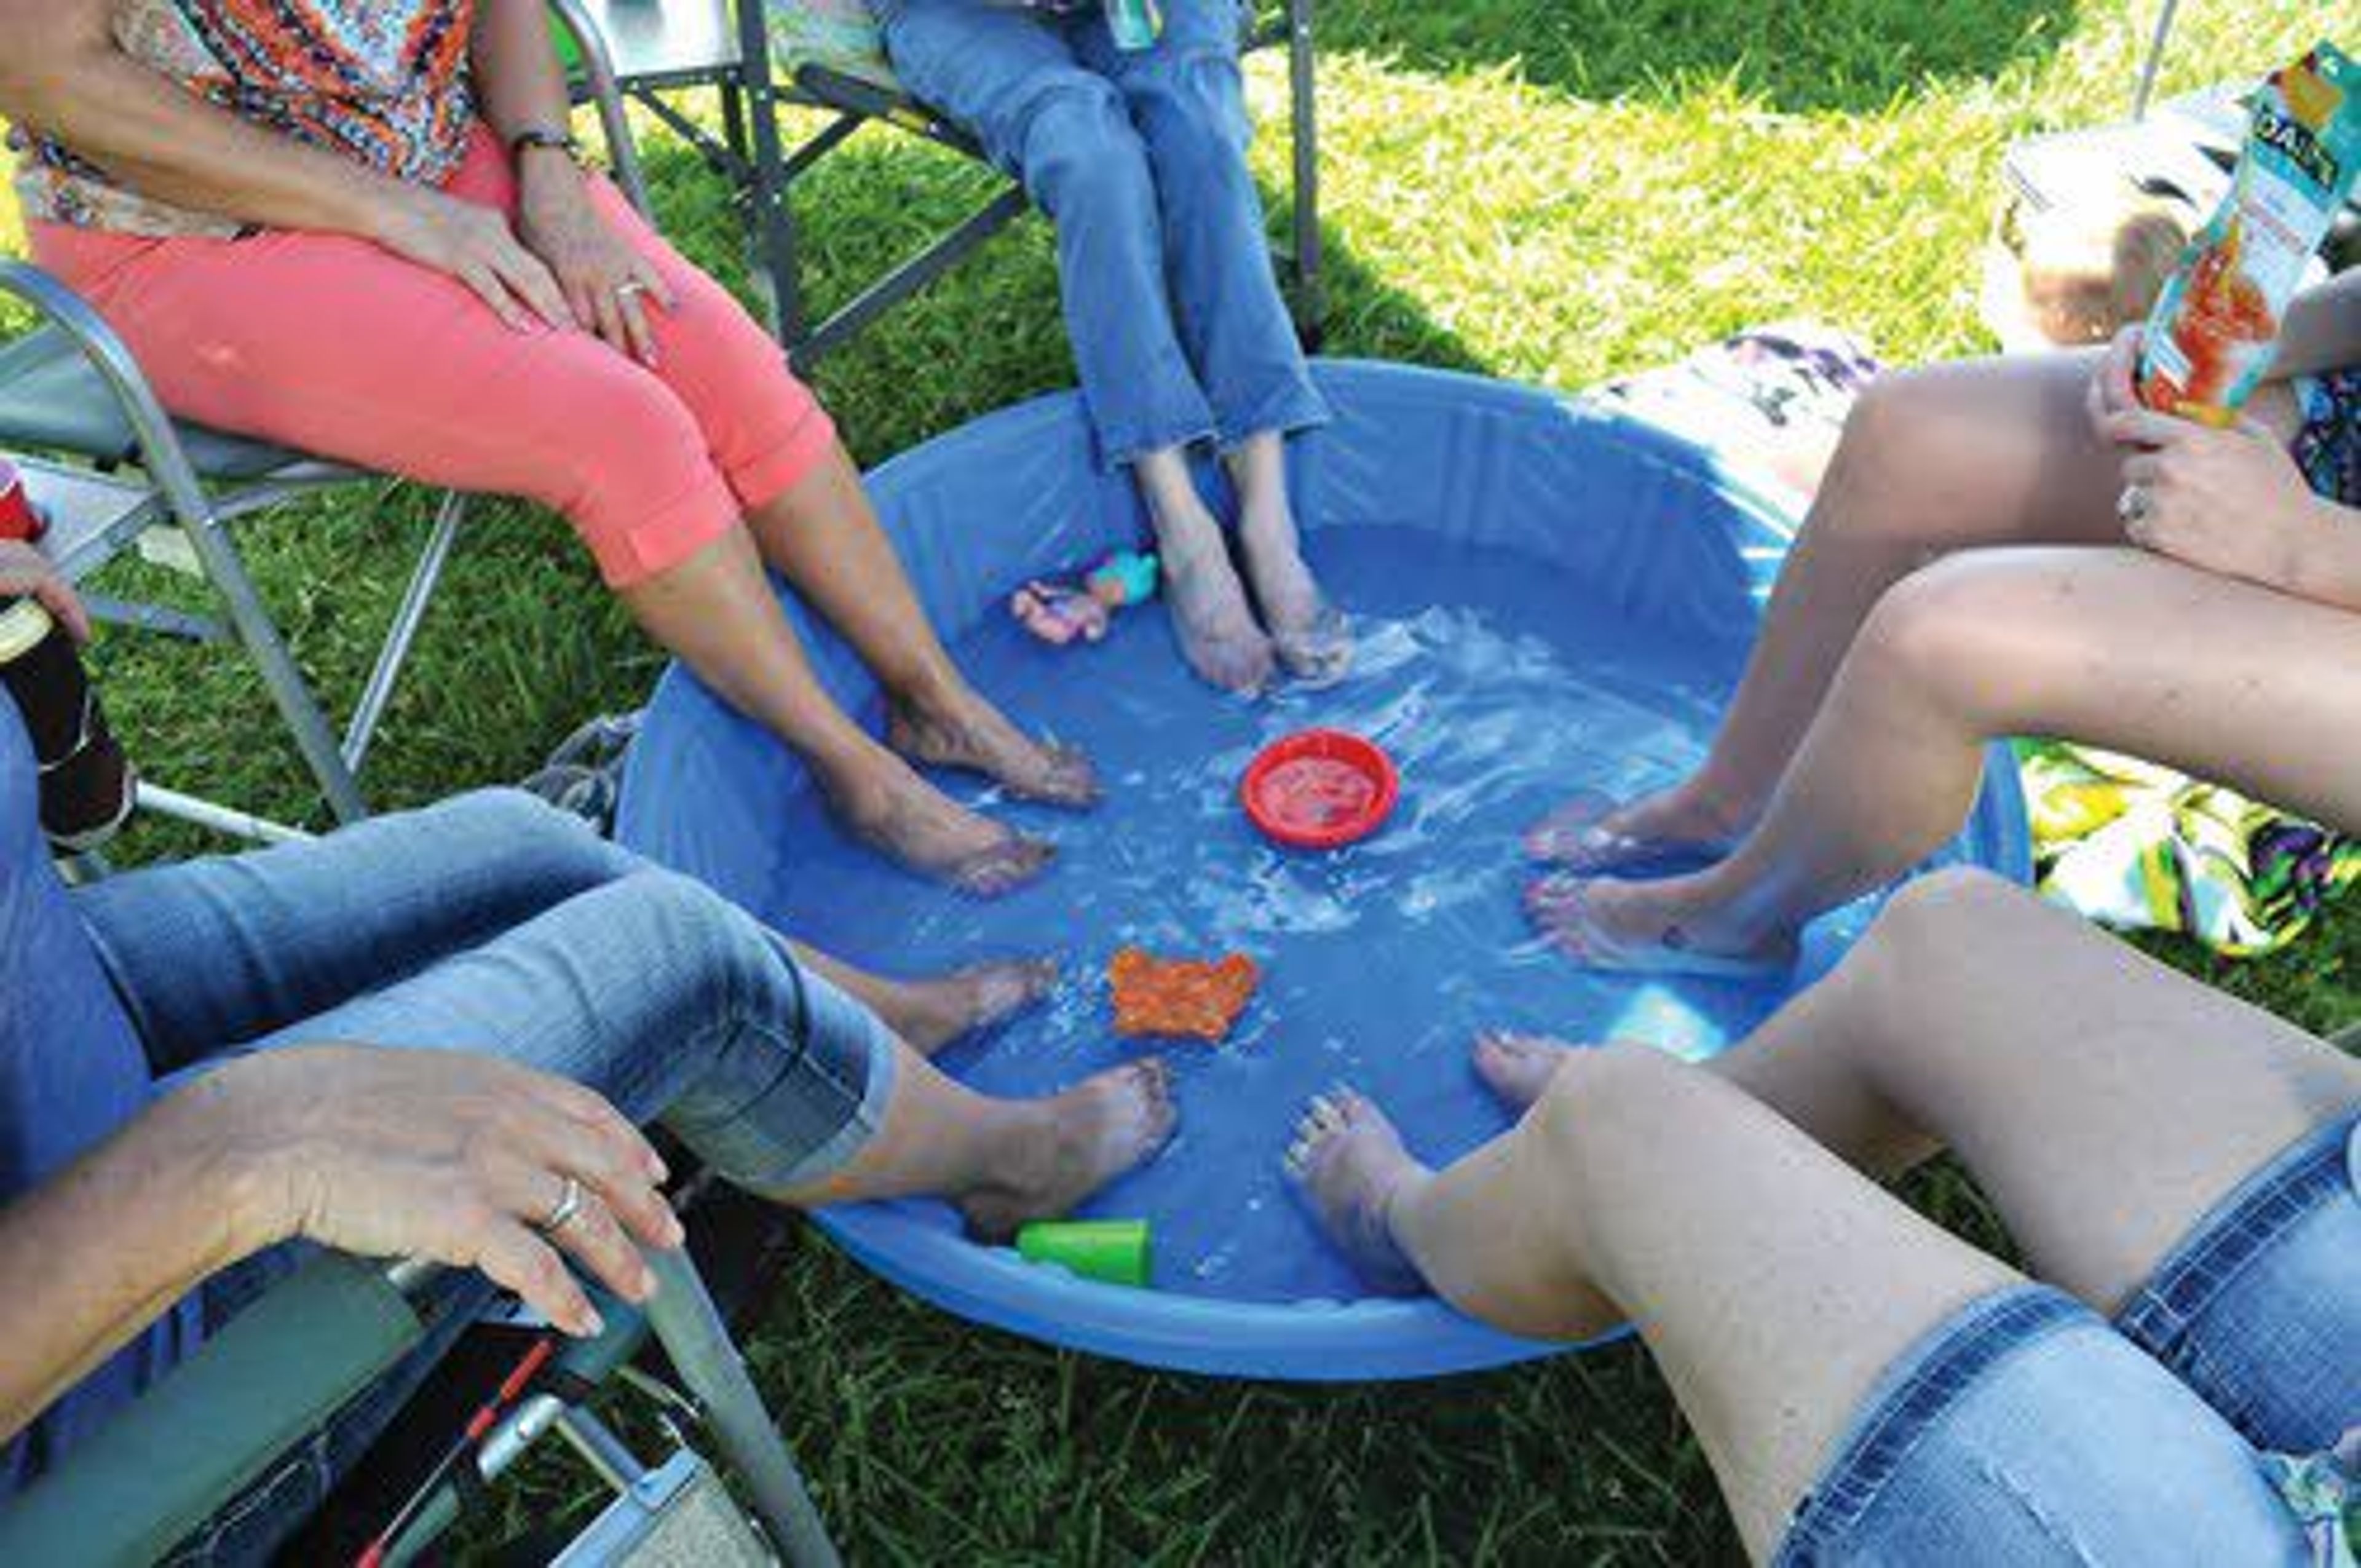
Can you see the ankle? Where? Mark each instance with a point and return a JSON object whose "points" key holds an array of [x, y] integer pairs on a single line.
{"points": [[1714, 809], [927, 694], [1268, 524], [1397, 1212]]}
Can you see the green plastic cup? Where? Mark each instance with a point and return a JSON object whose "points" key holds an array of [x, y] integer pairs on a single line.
{"points": [[1115, 1251]]}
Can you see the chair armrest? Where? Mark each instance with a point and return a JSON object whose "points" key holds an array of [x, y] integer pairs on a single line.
{"points": [[159, 448], [277, 1372], [599, 81]]}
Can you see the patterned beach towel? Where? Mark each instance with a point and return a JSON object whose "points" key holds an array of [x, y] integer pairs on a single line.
{"points": [[2140, 848]]}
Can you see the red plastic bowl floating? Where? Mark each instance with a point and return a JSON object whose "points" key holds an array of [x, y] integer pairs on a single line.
{"points": [[1319, 789]]}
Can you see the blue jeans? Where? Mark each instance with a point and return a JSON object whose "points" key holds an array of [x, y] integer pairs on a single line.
{"points": [[490, 924], [1178, 326], [2028, 1430]]}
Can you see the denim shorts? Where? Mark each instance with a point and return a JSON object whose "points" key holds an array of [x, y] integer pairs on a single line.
{"points": [[2027, 1430]]}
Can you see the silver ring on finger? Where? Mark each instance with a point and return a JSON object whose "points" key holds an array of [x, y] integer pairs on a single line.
{"points": [[2134, 506], [563, 1212], [630, 289]]}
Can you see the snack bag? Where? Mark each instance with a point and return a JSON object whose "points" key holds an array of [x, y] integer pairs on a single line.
{"points": [[2216, 325]]}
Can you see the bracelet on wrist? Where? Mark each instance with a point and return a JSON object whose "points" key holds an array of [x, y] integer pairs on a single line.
{"points": [[542, 139]]}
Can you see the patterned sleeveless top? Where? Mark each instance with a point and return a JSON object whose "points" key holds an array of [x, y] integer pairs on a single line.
{"points": [[383, 81]]}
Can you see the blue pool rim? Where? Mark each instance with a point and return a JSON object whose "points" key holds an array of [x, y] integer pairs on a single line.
{"points": [[1405, 438]]}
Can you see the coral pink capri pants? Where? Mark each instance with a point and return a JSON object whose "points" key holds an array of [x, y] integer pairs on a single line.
{"points": [[340, 347]]}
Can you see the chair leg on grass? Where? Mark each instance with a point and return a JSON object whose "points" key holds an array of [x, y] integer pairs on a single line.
{"points": [[423, 580], [226, 569], [685, 1319]]}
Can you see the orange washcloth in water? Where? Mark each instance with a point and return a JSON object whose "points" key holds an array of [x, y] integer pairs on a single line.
{"points": [[1179, 996]]}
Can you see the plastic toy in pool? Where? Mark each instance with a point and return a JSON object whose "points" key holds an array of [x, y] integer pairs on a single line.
{"points": [[1549, 596]]}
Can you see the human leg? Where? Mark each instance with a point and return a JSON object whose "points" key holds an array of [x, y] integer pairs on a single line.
{"points": [[340, 347], [1059, 127], [207, 952], [1933, 461], [822, 536], [673, 1003], [1065, 131], [805, 506], [1211, 616], [1771, 1285], [930, 1013], [1898, 1394], [2117, 648], [2124, 1119], [1186, 97]]}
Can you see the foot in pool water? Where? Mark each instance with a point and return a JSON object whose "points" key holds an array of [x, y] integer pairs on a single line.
{"points": [[1090, 1135], [1517, 1068], [909, 819], [1313, 639], [1595, 832], [931, 1014], [968, 733], [1211, 616], [1351, 1167], [1650, 927]]}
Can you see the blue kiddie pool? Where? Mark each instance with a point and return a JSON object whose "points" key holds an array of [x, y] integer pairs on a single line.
{"points": [[1549, 597]]}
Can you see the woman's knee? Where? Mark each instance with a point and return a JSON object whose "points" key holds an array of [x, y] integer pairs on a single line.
{"points": [[1081, 153], [703, 964], [1192, 113], [1932, 923], [628, 463], [524, 836], [1971, 637], [1609, 1107]]}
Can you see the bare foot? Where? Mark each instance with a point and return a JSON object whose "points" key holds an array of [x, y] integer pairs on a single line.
{"points": [[1092, 1132], [969, 733], [1595, 832], [919, 825], [1651, 927], [1518, 1067], [1217, 630], [1314, 640], [929, 1015], [1350, 1165]]}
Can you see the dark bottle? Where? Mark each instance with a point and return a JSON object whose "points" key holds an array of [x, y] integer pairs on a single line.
{"points": [[87, 784]]}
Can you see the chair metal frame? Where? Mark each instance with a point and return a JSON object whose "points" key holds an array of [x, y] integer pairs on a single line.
{"points": [[188, 1464], [751, 156], [101, 508]]}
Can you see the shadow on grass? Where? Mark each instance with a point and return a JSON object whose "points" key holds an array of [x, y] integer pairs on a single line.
{"points": [[1795, 55]]}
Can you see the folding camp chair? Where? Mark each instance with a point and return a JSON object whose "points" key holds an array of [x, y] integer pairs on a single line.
{"points": [[764, 57], [116, 471], [283, 1368]]}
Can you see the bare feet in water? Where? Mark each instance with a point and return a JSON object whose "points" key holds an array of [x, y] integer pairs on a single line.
{"points": [[931, 1014], [909, 819], [1667, 926], [1314, 639], [1517, 1068], [1595, 832], [966, 733], [1351, 1167], [1090, 1135], [1212, 618]]}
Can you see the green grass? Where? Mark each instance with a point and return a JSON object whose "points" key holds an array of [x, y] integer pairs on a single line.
{"points": [[1553, 191]]}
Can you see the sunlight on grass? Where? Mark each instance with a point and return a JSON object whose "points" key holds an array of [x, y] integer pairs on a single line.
{"points": [[1549, 190]]}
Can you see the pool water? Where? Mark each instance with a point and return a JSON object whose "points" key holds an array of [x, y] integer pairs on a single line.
{"points": [[1495, 693]]}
